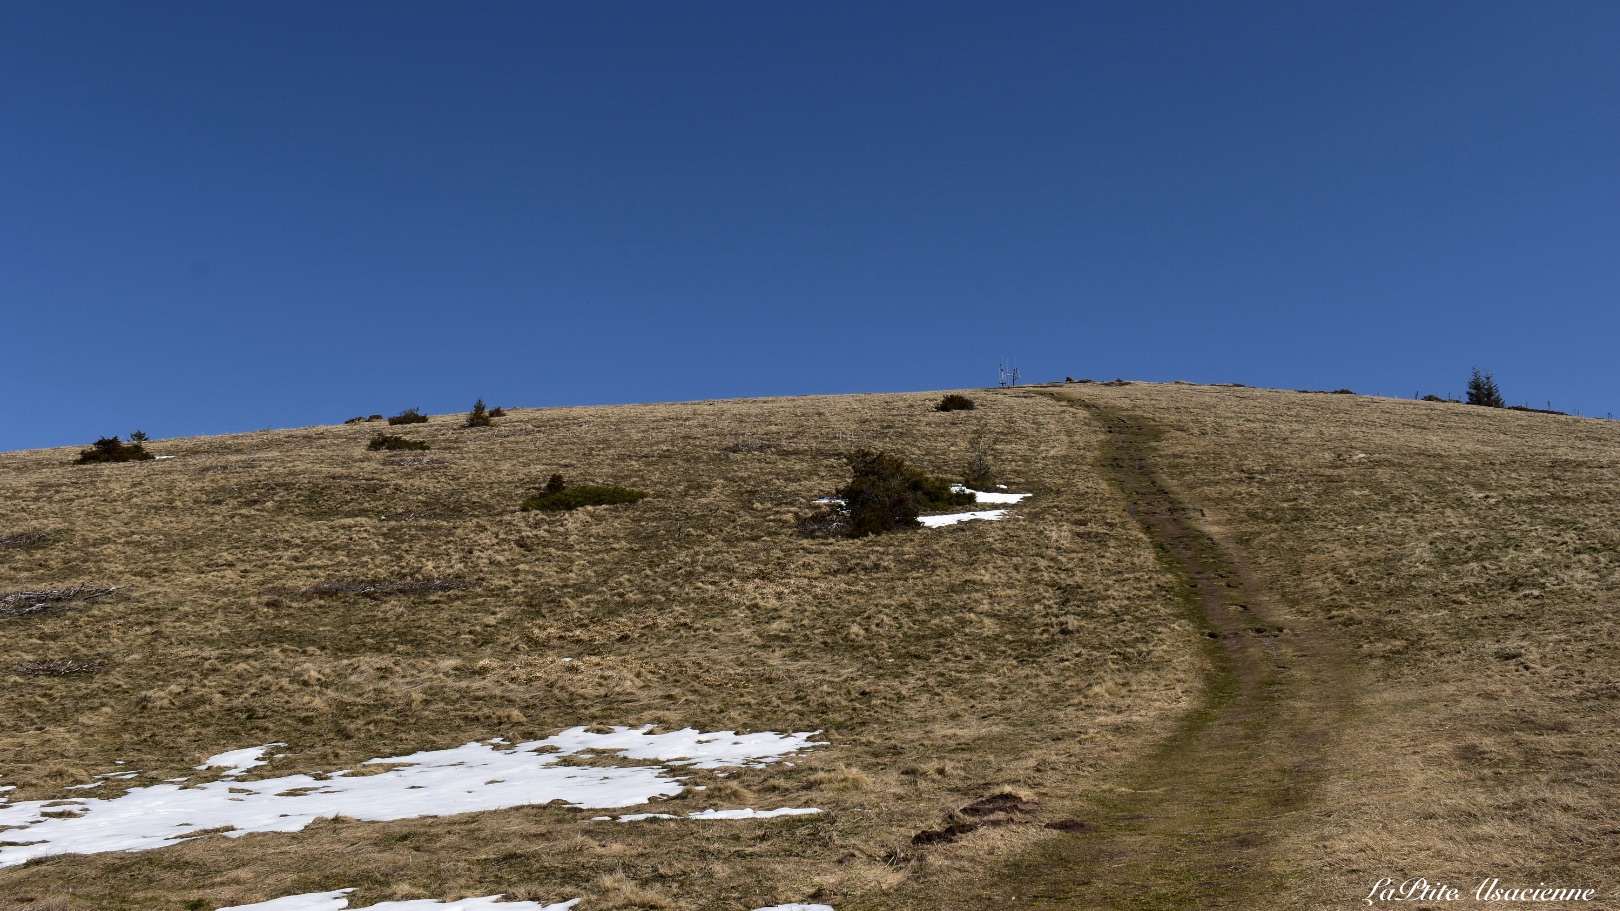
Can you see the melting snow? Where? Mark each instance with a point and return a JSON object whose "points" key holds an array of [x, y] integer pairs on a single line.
{"points": [[465, 779], [752, 813], [989, 515], [338, 899], [238, 761], [986, 497], [748, 813], [979, 496]]}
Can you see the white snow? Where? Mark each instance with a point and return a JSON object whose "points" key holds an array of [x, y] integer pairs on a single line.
{"points": [[161, 458], [979, 496], [338, 899], [987, 497], [334, 900], [238, 761], [470, 778], [748, 813], [988, 515], [752, 813]]}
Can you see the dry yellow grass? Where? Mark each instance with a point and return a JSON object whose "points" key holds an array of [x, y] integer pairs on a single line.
{"points": [[1465, 558], [1470, 559], [1043, 652]]}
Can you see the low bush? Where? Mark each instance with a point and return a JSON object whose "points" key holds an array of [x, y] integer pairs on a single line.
{"points": [[497, 412], [391, 443], [977, 473], [110, 449], [479, 416], [557, 496], [373, 417], [408, 416], [954, 402], [356, 420], [885, 494]]}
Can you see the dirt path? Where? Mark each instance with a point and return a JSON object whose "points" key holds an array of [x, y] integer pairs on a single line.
{"points": [[1197, 824]]}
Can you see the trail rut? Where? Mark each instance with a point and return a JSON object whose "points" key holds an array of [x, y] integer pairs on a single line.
{"points": [[1197, 822]]}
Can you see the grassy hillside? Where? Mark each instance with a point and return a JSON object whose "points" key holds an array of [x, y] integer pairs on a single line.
{"points": [[1039, 652], [1448, 572], [1467, 560]]}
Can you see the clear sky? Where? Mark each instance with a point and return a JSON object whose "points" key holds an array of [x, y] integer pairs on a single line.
{"points": [[218, 217]]}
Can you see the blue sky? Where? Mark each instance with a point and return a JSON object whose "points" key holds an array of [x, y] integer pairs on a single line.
{"points": [[223, 217]]}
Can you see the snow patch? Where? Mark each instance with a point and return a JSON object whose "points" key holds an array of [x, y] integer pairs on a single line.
{"points": [[238, 761], [747, 813], [979, 496], [470, 778], [988, 515], [338, 899], [988, 497]]}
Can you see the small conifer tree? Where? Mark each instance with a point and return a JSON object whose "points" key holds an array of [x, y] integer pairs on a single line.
{"points": [[479, 416], [1482, 390]]}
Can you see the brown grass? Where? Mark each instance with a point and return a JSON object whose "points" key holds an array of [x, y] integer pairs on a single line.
{"points": [[1470, 558], [1039, 653], [996, 678]]}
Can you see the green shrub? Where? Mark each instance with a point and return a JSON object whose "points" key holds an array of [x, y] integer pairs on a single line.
{"points": [[885, 494], [355, 420], [556, 496], [384, 441], [497, 412], [954, 402], [408, 416], [479, 416], [109, 449], [373, 417]]}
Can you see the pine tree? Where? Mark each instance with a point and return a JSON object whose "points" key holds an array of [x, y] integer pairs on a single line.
{"points": [[1482, 390], [479, 417]]}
